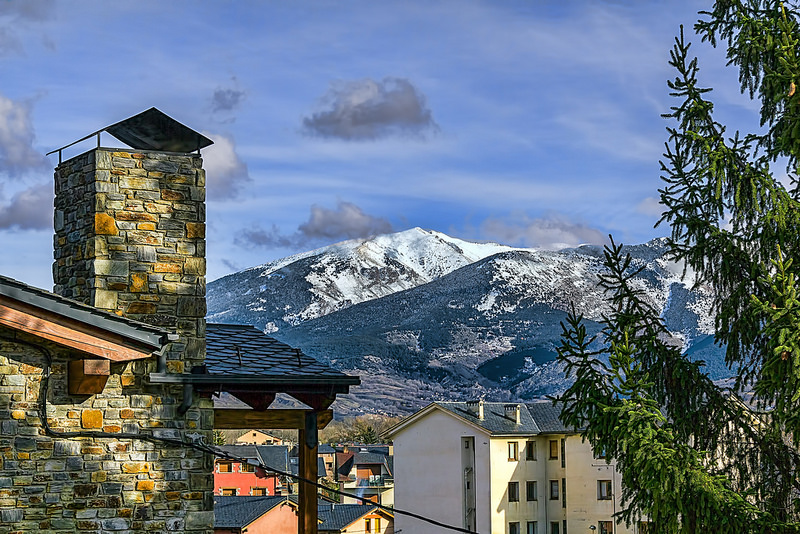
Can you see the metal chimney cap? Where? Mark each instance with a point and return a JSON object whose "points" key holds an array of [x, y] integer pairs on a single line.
{"points": [[152, 130]]}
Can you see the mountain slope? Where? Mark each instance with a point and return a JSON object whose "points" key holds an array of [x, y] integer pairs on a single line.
{"points": [[309, 285], [421, 316], [490, 328]]}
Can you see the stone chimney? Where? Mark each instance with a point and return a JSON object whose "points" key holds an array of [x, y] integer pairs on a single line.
{"points": [[130, 228], [512, 412], [475, 407]]}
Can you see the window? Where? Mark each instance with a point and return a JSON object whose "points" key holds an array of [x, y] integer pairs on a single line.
{"points": [[513, 451], [603, 490], [530, 490], [645, 527], [229, 491], [554, 449], [513, 528], [247, 468], [531, 528], [377, 524], [601, 454], [513, 492], [367, 525], [563, 453], [554, 527], [606, 527], [554, 490], [564, 495], [259, 492], [530, 450], [224, 467]]}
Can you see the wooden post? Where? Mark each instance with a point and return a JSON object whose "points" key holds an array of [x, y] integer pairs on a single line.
{"points": [[308, 441]]}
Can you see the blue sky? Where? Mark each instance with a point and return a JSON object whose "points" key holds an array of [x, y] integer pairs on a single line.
{"points": [[531, 123]]}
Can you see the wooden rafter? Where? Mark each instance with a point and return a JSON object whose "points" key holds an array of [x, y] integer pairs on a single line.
{"points": [[275, 419], [67, 332]]}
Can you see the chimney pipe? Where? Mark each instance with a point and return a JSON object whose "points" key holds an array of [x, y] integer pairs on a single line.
{"points": [[475, 407], [513, 412]]}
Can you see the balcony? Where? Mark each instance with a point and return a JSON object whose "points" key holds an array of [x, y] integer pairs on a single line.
{"points": [[374, 481]]}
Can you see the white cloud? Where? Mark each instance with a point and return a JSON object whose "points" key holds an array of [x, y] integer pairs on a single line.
{"points": [[17, 154], [347, 221], [366, 110], [650, 206], [31, 209], [226, 173], [552, 232]]}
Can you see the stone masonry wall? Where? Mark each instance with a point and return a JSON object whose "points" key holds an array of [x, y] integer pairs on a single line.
{"points": [[96, 484], [130, 239]]}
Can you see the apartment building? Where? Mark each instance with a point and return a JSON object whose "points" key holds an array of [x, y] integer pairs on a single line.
{"points": [[502, 468]]}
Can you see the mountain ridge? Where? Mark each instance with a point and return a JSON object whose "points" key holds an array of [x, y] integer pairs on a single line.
{"points": [[455, 328]]}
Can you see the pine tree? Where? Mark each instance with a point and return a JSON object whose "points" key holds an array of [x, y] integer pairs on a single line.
{"points": [[696, 456]]}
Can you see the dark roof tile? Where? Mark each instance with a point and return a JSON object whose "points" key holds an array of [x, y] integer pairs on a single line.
{"points": [[240, 511]]}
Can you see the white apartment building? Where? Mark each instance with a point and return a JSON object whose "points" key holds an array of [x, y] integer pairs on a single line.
{"points": [[498, 468]]}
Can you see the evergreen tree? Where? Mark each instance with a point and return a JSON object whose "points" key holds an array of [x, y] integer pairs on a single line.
{"points": [[696, 456]]}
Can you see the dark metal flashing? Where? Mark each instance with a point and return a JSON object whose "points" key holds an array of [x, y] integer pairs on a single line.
{"points": [[141, 333], [294, 383], [150, 130]]}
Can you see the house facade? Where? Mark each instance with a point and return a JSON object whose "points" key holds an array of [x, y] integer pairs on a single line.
{"points": [[89, 443], [501, 469], [255, 515], [246, 478], [366, 471], [354, 519]]}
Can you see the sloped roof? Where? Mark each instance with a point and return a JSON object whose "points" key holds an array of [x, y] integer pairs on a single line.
{"points": [[240, 451], [338, 516], [546, 415], [535, 418], [242, 351], [140, 333], [495, 420], [275, 456], [240, 511]]}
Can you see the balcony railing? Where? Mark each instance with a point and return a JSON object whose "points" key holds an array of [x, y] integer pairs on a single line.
{"points": [[374, 481]]}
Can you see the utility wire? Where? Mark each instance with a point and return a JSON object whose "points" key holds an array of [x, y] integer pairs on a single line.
{"points": [[197, 445]]}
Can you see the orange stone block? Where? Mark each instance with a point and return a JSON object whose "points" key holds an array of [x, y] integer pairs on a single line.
{"points": [[146, 226], [145, 485], [172, 495], [167, 268], [126, 413], [104, 224], [135, 467], [29, 369], [92, 419], [127, 380], [195, 230], [138, 282]]}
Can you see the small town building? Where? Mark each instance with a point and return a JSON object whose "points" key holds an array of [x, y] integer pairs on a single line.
{"points": [[502, 468]]}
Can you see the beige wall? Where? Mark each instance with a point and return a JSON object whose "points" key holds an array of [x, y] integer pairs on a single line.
{"points": [[582, 472], [428, 477]]}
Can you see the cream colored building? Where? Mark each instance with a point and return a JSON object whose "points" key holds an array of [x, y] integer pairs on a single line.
{"points": [[497, 468]]}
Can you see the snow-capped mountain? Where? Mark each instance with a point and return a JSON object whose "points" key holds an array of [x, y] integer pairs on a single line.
{"points": [[422, 316], [291, 290]]}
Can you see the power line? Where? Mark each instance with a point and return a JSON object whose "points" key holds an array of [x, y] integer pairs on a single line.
{"points": [[197, 445]]}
